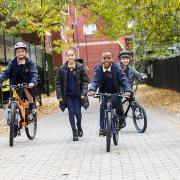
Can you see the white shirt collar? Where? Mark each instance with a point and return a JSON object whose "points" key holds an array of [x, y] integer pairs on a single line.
{"points": [[109, 69], [21, 61]]}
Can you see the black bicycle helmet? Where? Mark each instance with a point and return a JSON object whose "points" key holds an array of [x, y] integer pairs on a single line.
{"points": [[20, 45], [124, 54]]}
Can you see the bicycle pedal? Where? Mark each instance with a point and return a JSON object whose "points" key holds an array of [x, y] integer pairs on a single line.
{"points": [[19, 132], [102, 135], [23, 123], [8, 122]]}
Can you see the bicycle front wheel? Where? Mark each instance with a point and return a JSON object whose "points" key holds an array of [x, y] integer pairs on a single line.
{"points": [[116, 137], [108, 131], [115, 130], [31, 126], [139, 118], [12, 125]]}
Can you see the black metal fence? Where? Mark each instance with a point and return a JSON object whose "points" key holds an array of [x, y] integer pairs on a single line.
{"points": [[164, 73], [1, 99]]}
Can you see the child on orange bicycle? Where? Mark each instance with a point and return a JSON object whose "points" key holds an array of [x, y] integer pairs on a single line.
{"points": [[22, 70]]}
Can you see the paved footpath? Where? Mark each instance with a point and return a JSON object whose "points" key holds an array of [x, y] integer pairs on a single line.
{"points": [[54, 156], [3, 122]]}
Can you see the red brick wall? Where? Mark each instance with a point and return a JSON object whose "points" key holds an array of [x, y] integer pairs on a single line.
{"points": [[57, 58]]}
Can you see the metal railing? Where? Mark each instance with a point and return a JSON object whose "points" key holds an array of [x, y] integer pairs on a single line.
{"points": [[164, 73]]}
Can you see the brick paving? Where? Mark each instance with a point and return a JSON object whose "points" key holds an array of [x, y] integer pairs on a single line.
{"points": [[52, 155], [3, 122]]}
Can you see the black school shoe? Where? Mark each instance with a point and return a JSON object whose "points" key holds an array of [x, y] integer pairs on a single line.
{"points": [[32, 108], [122, 124], [102, 133], [80, 131], [75, 135]]}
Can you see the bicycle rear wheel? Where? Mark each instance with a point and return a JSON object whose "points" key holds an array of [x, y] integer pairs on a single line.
{"points": [[139, 118], [108, 131], [31, 126], [13, 126]]}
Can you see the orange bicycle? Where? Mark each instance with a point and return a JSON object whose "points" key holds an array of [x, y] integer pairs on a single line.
{"points": [[19, 115]]}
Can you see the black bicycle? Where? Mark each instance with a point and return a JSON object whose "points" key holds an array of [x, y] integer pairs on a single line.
{"points": [[138, 112], [19, 115], [111, 120]]}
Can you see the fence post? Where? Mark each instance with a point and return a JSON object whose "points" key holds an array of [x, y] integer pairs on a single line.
{"points": [[1, 98]]}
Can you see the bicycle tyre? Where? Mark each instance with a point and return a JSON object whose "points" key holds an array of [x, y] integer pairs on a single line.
{"points": [[137, 107], [108, 131], [31, 118], [116, 130], [116, 138], [12, 124]]}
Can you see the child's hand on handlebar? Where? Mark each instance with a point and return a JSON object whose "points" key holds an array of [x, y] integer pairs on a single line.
{"points": [[91, 93], [31, 85], [144, 76], [127, 94]]}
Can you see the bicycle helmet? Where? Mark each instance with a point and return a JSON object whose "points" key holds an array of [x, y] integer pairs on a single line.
{"points": [[124, 54], [80, 61], [20, 45]]}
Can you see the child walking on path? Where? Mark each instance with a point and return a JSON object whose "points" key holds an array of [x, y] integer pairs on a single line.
{"points": [[71, 89]]}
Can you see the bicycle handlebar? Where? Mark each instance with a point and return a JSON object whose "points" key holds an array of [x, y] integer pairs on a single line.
{"points": [[137, 83], [97, 95], [24, 85]]}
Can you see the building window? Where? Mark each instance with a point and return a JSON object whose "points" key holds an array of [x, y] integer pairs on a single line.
{"points": [[62, 33], [33, 52], [89, 29], [67, 10]]}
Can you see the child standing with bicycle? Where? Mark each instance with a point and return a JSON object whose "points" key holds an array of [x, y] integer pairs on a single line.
{"points": [[71, 88], [22, 70], [109, 78]]}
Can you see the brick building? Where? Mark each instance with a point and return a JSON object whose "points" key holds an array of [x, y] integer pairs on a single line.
{"points": [[89, 46]]}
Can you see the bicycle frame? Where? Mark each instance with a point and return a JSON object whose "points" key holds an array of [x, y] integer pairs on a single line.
{"points": [[131, 100], [18, 107], [109, 107], [22, 105]]}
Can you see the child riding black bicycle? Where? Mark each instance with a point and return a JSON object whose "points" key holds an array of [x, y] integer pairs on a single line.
{"points": [[109, 78], [131, 73], [22, 70]]}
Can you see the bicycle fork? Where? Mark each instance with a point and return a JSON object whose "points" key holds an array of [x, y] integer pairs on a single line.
{"points": [[9, 114]]}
